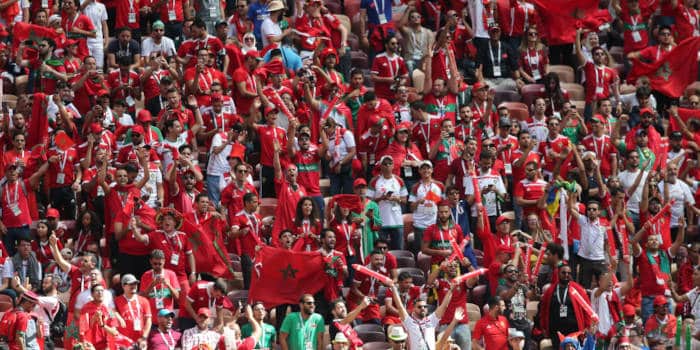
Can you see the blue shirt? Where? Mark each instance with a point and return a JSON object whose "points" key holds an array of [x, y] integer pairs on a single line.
{"points": [[257, 13], [462, 219], [372, 10], [290, 57]]}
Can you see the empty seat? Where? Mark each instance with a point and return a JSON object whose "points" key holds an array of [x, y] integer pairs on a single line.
{"points": [[402, 254], [617, 53], [376, 345], [530, 92], [424, 263], [506, 96], [371, 336], [417, 274], [473, 312], [404, 261], [268, 206], [518, 110], [576, 91], [238, 295], [5, 303], [565, 73], [478, 295], [359, 59]]}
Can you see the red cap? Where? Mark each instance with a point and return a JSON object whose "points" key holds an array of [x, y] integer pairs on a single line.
{"points": [[660, 300], [444, 203], [52, 213], [599, 117], [144, 116], [253, 53], [327, 52], [237, 151], [646, 110], [102, 92], [95, 128], [502, 218], [480, 85], [70, 42], [216, 97], [269, 109], [628, 310], [137, 129], [359, 182], [203, 311], [405, 126], [374, 119]]}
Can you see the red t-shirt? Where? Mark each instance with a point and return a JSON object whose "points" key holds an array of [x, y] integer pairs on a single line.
{"points": [[15, 204], [558, 145], [61, 173], [527, 189], [494, 332], [78, 283], [636, 36], [134, 313], [200, 297], [534, 61], [243, 103], [42, 250], [603, 149], [117, 79], [441, 239], [151, 87], [172, 11], [232, 197], [647, 279], [598, 81], [385, 67], [267, 135], [459, 299], [251, 239], [128, 14], [81, 22], [308, 163], [176, 249]]}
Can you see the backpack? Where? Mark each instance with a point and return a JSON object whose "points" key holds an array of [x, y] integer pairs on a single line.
{"points": [[57, 325]]}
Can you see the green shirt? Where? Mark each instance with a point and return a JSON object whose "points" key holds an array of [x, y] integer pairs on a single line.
{"points": [[302, 334], [266, 339]]}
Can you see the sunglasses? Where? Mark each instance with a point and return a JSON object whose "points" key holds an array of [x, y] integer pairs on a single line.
{"points": [[532, 33]]}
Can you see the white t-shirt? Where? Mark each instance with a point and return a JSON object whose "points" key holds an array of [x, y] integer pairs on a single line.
{"points": [[97, 12], [600, 306], [414, 328], [681, 193], [166, 47], [425, 213], [389, 211], [218, 163], [269, 28], [694, 296], [593, 236], [86, 296], [490, 200], [627, 180], [150, 189], [347, 142]]}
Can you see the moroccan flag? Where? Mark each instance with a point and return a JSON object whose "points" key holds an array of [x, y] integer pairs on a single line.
{"points": [[38, 133], [24, 31], [674, 72], [281, 276], [685, 114], [559, 18], [210, 253], [352, 202], [432, 196]]}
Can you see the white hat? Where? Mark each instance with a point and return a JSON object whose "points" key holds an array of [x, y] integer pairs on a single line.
{"points": [[397, 333], [514, 333], [425, 162], [386, 156], [340, 338]]}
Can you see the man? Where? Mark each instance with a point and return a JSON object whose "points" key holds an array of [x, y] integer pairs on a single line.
{"points": [[498, 62], [655, 53], [530, 190], [24, 332], [47, 309], [536, 125], [246, 227], [232, 195], [343, 320], [373, 16], [160, 284], [389, 191], [43, 73], [505, 142], [445, 150], [134, 310], [303, 330], [594, 246], [421, 326], [308, 160], [438, 238], [491, 186], [692, 298], [164, 337], [491, 330], [336, 271], [77, 26], [551, 262], [679, 194], [96, 279], [221, 146], [601, 144], [79, 276], [268, 336], [124, 47], [442, 98], [269, 136], [516, 295], [424, 198], [23, 264], [556, 149], [426, 130], [373, 142], [601, 80], [458, 302], [365, 286], [632, 180], [200, 77], [204, 295], [408, 293], [559, 311], [661, 329], [157, 45], [654, 264], [200, 335], [396, 335], [289, 192], [483, 115], [246, 84], [421, 37]]}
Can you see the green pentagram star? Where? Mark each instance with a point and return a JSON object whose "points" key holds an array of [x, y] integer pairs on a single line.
{"points": [[289, 272]]}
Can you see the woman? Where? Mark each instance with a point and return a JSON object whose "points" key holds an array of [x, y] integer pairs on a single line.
{"points": [[308, 225], [274, 28], [553, 94], [534, 61], [40, 245], [98, 322], [326, 74], [347, 233], [89, 230], [439, 66], [535, 230], [573, 126], [71, 63], [405, 153], [249, 43]]}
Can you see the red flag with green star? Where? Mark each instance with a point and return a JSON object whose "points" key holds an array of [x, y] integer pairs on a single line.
{"points": [[210, 253], [672, 74], [560, 18], [281, 276]]}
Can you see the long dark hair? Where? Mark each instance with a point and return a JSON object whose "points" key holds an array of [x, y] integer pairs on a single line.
{"points": [[555, 95], [315, 216], [95, 227]]}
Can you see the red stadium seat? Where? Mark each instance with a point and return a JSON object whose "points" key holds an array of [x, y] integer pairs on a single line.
{"points": [[530, 92]]}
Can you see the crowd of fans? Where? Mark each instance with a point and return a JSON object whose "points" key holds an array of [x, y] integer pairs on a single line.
{"points": [[503, 188]]}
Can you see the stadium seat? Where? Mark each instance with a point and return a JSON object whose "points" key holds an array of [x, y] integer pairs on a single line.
{"points": [[565, 73], [404, 261], [402, 254], [576, 91], [532, 307], [5, 303], [518, 110], [580, 105], [335, 7], [10, 100], [692, 89], [617, 53], [236, 265], [417, 274], [353, 42], [530, 92], [268, 206], [473, 312], [478, 295], [238, 295], [359, 59], [407, 225], [371, 336], [424, 263], [506, 96], [376, 345]]}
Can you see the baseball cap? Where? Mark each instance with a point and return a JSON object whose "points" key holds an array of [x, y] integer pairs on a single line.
{"points": [[676, 135], [70, 42], [503, 217], [385, 157], [129, 279], [646, 110], [628, 310], [253, 54], [494, 27], [166, 313], [340, 338], [641, 132], [514, 333], [203, 311], [588, 155], [52, 213], [660, 300], [480, 85], [271, 109], [404, 126], [144, 116], [425, 162], [359, 182], [137, 129], [505, 122], [30, 296], [216, 97], [397, 333], [158, 25]]}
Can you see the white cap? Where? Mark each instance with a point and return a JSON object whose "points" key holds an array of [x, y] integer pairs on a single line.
{"points": [[340, 338]]}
